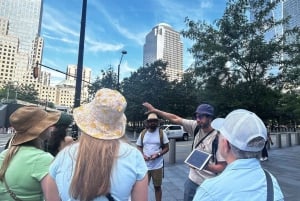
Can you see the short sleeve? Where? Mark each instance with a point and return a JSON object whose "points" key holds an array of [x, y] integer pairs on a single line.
{"points": [[41, 166], [141, 167], [139, 141]]}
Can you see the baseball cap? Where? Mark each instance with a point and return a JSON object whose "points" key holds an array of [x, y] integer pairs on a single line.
{"points": [[240, 127], [205, 109]]}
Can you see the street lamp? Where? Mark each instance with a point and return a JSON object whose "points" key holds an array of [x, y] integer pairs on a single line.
{"points": [[123, 52]]}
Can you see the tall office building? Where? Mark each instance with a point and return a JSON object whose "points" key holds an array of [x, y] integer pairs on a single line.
{"points": [[292, 8], [164, 43], [21, 22]]}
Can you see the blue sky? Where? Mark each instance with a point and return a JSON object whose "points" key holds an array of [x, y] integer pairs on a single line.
{"points": [[113, 26]]}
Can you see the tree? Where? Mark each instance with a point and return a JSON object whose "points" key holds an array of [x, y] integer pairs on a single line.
{"points": [[22, 92], [234, 57], [108, 80], [148, 83]]}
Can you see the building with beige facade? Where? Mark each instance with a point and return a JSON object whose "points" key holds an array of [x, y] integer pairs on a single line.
{"points": [[164, 43]]}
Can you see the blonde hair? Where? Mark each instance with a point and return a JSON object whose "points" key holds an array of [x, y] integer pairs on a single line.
{"points": [[94, 164]]}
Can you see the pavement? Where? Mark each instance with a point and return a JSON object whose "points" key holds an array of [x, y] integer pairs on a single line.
{"points": [[283, 163]]}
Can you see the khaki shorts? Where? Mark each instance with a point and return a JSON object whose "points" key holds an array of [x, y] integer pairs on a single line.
{"points": [[156, 176]]}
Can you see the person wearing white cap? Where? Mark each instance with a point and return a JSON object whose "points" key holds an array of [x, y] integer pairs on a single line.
{"points": [[205, 139], [102, 165], [242, 137]]}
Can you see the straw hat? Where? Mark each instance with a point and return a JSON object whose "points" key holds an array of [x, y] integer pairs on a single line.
{"points": [[103, 118], [29, 122]]}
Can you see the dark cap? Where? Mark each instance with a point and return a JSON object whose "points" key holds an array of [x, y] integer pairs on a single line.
{"points": [[64, 120], [205, 109]]}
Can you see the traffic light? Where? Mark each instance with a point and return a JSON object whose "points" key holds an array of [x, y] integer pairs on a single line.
{"points": [[36, 70]]}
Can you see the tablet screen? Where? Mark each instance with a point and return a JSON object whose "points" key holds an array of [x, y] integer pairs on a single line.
{"points": [[197, 159]]}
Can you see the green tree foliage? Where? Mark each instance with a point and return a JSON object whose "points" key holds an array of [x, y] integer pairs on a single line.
{"points": [[234, 59], [149, 84], [22, 92], [108, 80]]}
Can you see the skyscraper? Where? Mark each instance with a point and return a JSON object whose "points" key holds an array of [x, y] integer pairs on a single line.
{"points": [[164, 43], [20, 40], [292, 8]]}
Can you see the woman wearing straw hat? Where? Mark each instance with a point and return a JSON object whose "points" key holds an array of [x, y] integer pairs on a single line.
{"points": [[102, 165], [24, 166]]}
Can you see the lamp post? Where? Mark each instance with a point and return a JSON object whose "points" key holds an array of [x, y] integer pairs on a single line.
{"points": [[123, 52]]}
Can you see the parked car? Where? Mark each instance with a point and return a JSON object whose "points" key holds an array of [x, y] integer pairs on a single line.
{"points": [[175, 131]]}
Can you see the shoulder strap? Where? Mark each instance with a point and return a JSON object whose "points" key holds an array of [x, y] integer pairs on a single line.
{"points": [[161, 138], [215, 149], [109, 197], [204, 137], [142, 136], [270, 190], [11, 193], [195, 133]]}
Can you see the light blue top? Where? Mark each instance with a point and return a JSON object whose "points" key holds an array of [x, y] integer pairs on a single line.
{"points": [[244, 179], [129, 168]]}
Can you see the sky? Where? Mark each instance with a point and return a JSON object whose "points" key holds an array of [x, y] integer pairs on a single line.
{"points": [[113, 26]]}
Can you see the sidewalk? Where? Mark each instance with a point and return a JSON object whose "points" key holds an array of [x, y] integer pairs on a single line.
{"points": [[283, 163]]}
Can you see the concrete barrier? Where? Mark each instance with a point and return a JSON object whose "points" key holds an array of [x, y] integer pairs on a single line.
{"points": [[172, 151], [286, 139]]}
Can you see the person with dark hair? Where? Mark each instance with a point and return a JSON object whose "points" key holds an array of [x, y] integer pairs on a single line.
{"points": [[153, 144], [102, 164], [59, 138], [24, 165], [241, 139], [205, 137]]}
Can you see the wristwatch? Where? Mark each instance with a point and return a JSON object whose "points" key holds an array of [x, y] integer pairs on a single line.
{"points": [[159, 153]]}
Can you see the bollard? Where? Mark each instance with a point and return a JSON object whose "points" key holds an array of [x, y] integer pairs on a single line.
{"points": [[278, 140], [288, 139], [172, 151], [297, 138]]}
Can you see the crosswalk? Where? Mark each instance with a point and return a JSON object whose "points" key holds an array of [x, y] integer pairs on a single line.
{"points": [[3, 140]]}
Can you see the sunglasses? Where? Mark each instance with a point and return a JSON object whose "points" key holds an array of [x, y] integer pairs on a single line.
{"points": [[152, 120], [200, 116]]}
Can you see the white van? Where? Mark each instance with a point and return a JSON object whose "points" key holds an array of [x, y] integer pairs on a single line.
{"points": [[175, 131]]}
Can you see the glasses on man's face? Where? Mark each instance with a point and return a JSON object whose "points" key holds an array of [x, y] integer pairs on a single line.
{"points": [[152, 120], [199, 116]]}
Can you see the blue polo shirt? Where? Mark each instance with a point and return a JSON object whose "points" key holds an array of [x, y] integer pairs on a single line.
{"points": [[243, 179]]}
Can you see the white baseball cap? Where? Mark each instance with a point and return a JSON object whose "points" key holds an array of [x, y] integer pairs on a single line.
{"points": [[240, 127]]}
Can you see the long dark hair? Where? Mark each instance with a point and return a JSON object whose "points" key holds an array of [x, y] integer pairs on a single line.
{"points": [[53, 143]]}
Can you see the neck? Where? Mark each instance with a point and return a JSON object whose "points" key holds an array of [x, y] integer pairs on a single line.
{"points": [[151, 130], [207, 129]]}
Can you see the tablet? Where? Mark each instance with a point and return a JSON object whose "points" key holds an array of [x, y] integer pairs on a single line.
{"points": [[197, 159]]}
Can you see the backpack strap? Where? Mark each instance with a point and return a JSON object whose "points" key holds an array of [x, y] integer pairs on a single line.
{"points": [[202, 139], [270, 190], [215, 149], [161, 137], [195, 133], [142, 136], [109, 197]]}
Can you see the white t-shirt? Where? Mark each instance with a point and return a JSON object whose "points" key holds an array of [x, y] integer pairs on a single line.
{"points": [[151, 145]]}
